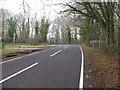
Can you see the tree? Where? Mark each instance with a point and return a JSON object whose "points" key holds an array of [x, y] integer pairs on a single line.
{"points": [[28, 28], [57, 36], [118, 14], [69, 35], [44, 27], [12, 30], [4, 15], [100, 12], [36, 28], [23, 32], [3, 28], [37, 33]]}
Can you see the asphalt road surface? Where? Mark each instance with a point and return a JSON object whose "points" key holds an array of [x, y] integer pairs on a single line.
{"points": [[57, 67]]}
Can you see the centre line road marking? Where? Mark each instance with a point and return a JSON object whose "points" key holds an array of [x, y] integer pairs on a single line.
{"points": [[18, 72], [65, 47], [55, 53], [82, 73]]}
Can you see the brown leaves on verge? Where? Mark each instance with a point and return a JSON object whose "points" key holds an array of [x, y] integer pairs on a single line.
{"points": [[103, 69]]}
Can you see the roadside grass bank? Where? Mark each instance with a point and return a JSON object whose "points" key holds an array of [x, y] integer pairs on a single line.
{"points": [[16, 48], [8, 51], [103, 68], [28, 46], [13, 51]]}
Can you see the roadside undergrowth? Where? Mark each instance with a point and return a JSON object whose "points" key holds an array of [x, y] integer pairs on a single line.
{"points": [[103, 68]]}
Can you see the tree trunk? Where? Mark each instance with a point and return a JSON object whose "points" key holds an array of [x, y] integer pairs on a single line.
{"points": [[3, 28], [119, 43], [119, 33]]}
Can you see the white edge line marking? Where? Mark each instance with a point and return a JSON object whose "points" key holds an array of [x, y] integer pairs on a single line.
{"points": [[18, 72], [21, 57], [55, 53], [82, 73]]}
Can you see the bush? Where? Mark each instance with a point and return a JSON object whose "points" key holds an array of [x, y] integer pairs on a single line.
{"points": [[33, 41], [110, 50]]}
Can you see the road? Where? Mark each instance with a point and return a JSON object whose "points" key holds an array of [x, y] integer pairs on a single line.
{"points": [[58, 67]]}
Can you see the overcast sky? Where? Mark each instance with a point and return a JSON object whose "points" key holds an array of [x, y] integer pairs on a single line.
{"points": [[40, 7]]}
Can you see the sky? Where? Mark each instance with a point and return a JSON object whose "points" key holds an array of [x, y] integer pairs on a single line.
{"points": [[49, 8], [38, 8]]}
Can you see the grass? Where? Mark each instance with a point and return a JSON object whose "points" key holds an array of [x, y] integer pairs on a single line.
{"points": [[99, 59], [104, 65], [20, 48], [28, 46], [7, 51]]}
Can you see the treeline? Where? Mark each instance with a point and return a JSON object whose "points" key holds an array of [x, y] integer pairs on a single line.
{"points": [[92, 23], [23, 29], [98, 23], [64, 30]]}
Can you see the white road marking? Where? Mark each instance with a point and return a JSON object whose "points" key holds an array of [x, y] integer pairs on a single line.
{"points": [[82, 73], [18, 72], [55, 53], [65, 47]]}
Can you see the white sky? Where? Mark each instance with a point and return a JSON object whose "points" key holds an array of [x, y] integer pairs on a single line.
{"points": [[36, 6], [47, 8]]}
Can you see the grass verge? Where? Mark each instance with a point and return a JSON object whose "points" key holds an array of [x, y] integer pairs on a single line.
{"points": [[16, 48], [28, 46], [103, 68], [7, 51]]}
